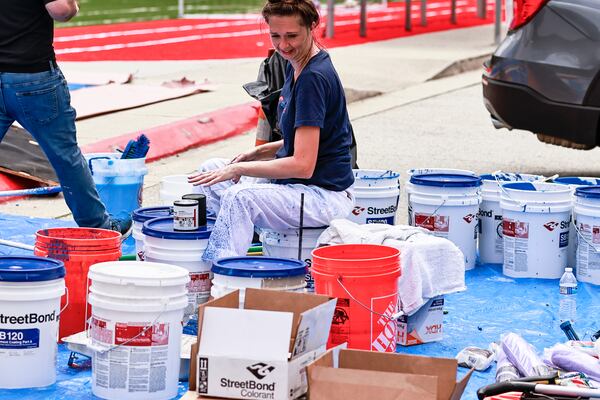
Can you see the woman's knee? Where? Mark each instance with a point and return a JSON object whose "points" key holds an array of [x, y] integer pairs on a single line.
{"points": [[212, 164]]}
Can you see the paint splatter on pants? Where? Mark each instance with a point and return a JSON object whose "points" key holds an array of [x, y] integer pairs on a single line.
{"points": [[255, 202]]}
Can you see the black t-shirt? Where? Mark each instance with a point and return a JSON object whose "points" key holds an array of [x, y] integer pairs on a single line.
{"points": [[26, 35]]}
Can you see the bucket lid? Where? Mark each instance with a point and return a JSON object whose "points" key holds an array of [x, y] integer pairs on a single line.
{"points": [[30, 269], [162, 228], [259, 267], [147, 213], [446, 180], [138, 273], [589, 192], [537, 187], [575, 180]]}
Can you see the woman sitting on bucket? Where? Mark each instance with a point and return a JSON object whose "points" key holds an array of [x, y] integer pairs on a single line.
{"points": [[262, 187]]}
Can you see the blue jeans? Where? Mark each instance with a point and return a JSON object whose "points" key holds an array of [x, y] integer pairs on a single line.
{"points": [[41, 103]]}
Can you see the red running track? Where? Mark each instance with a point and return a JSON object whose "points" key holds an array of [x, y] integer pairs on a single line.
{"points": [[202, 39]]}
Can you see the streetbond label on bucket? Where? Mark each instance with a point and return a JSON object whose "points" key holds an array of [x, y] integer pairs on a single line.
{"points": [[439, 224], [19, 339]]}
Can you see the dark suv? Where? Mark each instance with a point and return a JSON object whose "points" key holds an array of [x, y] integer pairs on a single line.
{"points": [[544, 77]]}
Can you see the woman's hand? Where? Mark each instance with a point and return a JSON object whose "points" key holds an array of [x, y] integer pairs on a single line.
{"points": [[247, 156], [208, 178]]}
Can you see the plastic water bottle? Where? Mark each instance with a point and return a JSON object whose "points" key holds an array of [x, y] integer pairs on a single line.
{"points": [[567, 310]]}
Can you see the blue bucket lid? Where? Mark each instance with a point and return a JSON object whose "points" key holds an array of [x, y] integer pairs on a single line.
{"points": [[30, 269], [162, 228], [259, 267], [589, 192], [446, 180], [575, 180], [527, 186], [148, 213]]}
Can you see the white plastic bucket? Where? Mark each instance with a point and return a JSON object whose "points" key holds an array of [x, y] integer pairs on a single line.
{"points": [[173, 187], [120, 182], [377, 193], [30, 292], [535, 225], [285, 244], [447, 205], [575, 182], [137, 312], [408, 187], [587, 217], [233, 273], [140, 216], [491, 249], [163, 244]]}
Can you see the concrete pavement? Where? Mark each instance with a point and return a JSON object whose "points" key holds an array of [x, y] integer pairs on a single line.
{"points": [[389, 73]]}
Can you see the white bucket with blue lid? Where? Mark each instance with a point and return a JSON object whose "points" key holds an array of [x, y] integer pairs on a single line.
{"points": [[284, 244], [491, 248], [137, 313], [140, 216], [587, 217], [376, 194], [428, 171], [448, 205], [163, 244], [233, 273], [535, 225], [30, 292], [574, 182]]}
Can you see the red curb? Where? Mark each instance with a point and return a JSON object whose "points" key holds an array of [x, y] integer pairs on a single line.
{"points": [[167, 140]]}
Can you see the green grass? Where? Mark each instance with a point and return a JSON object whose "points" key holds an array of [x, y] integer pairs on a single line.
{"points": [[98, 12], [94, 12]]}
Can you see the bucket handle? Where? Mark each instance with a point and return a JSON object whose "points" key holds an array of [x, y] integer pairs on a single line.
{"points": [[96, 158], [394, 316], [433, 214], [103, 350], [593, 246], [66, 302]]}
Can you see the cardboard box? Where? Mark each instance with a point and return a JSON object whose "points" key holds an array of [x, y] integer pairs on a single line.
{"points": [[364, 375], [262, 350], [424, 326]]}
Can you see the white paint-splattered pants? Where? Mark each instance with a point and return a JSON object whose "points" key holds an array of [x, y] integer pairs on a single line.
{"points": [[257, 203]]}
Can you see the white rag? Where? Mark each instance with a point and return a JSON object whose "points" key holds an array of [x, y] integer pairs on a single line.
{"points": [[431, 266]]}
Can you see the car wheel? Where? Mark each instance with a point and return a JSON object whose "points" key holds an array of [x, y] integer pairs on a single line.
{"points": [[563, 142]]}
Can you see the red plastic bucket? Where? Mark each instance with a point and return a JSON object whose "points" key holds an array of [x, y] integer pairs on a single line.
{"points": [[78, 249], [364, 278]]}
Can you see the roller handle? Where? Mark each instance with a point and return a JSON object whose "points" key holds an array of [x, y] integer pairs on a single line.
{"points": [[504, 387]]}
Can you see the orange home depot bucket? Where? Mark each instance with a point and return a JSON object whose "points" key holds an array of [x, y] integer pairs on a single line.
{"points": [[78, 249], [364, 278]]}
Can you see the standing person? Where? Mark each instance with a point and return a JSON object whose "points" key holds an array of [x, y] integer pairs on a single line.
{"points": [[263, 186], [35, 94]]}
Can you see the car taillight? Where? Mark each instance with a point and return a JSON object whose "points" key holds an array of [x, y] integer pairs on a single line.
{"points": [[524, 11]]}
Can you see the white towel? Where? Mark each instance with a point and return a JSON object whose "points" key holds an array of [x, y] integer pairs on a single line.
{"points": [[431, 266]]}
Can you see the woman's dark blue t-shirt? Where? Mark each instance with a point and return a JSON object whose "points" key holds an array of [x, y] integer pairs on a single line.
{"points": [[317, 99]]}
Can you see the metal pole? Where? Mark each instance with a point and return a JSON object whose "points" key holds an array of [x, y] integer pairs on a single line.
{"points": [[498, 24], [481, 8], [181, 9], [423, 12], [407, 16], [329, 31], [453, 12], [363, 18]]}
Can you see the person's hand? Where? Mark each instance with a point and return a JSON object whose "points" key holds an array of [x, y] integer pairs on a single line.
{"points": [[208, 178], [247, 156]]}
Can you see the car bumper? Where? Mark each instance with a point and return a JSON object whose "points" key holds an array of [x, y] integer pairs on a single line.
{"points": [[513, 105]]}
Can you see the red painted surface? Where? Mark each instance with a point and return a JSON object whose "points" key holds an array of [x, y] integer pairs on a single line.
{"points": [[201, 39]]}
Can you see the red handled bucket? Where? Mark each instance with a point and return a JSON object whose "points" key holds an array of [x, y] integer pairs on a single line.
{"points": [[364, 278], [78, 249]]}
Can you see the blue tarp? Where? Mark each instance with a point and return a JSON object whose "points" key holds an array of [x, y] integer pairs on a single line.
{"points": [[492, 305]]}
